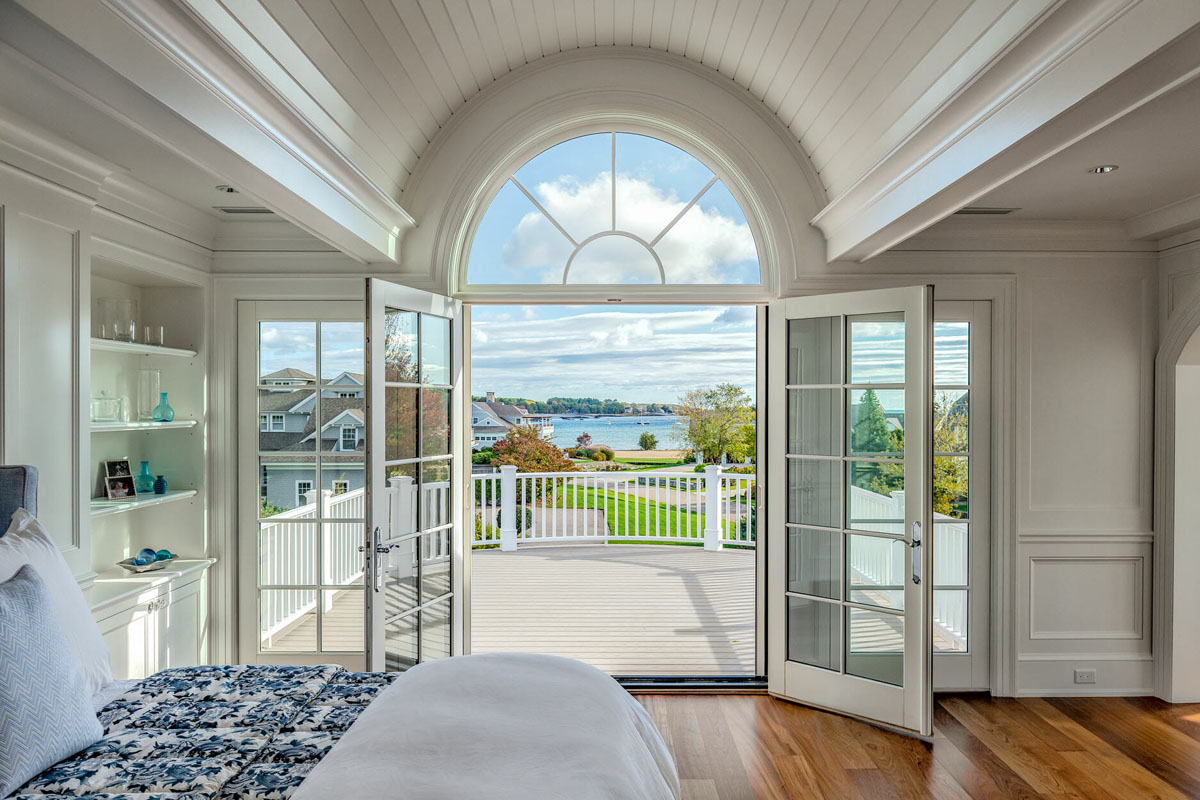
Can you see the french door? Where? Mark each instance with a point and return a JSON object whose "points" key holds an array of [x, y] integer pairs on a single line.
{"points": [[415, 477], [850, 547]]}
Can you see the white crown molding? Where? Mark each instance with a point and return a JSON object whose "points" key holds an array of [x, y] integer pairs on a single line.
{"points": [[52, 158], [207, 106], [1085, 65], [122, 194], [1167, 220]]}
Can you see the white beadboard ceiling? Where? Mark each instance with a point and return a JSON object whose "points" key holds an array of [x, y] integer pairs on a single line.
{"points": [[849, 78]]}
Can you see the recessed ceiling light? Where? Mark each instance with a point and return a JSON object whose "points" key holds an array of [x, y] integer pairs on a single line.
{"points": [[1104, 169], [226, 189]]}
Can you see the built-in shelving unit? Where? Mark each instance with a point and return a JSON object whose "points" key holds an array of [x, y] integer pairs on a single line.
{"points": [[175, 299], [113, 346], [104, 508], [114, 427]]}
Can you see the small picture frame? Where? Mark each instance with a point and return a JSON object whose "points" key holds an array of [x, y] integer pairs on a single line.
{"points": [[120, 487], [118, 468]]}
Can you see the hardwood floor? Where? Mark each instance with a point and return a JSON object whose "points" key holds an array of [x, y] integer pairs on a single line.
{"points": [[752, 746]]}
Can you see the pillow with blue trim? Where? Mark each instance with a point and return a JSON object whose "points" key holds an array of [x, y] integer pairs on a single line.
{"points": [[45, 711]]}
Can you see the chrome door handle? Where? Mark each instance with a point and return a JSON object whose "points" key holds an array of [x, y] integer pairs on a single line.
{"points": [[376, 566], [916, 552]]}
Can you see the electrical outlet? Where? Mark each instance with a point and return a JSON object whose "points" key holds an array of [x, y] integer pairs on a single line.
{"points": [[1085, 676]]}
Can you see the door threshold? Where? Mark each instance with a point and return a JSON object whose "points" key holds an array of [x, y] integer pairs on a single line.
{"points": [[691, 685]]}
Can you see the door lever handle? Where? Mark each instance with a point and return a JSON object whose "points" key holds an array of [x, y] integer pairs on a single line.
{"points": [[376, 567], [915, 544]]}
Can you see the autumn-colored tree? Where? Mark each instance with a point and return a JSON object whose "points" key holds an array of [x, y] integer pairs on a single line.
{"points": [[583, 440], [525, 449]]}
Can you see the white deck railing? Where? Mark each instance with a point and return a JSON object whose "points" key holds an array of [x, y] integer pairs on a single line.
{"points": [[289, 546], [713, 509]]}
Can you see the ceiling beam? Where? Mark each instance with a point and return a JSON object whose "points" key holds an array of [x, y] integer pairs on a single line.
{"points": [[201, 101], [1086, 64]]}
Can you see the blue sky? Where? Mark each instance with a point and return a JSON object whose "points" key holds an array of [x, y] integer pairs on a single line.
{"points": [[635, 353], [573, 181]]}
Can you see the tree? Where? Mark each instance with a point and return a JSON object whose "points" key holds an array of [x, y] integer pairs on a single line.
{"points": [[949, 472], [583, 440], [869, 434], [525, 449], [648, 441], [713, 419]]}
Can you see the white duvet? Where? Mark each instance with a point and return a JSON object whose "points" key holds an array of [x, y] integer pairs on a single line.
{"points": [[498, 726]]}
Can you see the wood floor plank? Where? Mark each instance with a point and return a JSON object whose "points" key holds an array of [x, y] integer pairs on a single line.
{"points": [[746, 746]]}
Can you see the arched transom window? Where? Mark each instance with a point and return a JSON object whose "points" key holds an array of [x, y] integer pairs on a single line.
{"points": [[664, 219]]}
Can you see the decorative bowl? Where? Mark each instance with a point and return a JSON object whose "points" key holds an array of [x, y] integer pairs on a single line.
{"points": [[132, 567]]}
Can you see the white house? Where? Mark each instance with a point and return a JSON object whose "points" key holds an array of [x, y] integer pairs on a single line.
{"points": [[490, 420]]}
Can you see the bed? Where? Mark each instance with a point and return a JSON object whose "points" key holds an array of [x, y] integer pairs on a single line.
{"points": [[496, 726]]}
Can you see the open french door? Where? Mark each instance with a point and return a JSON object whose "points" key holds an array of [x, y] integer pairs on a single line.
{"points": [[849, 602], [414, 497]]}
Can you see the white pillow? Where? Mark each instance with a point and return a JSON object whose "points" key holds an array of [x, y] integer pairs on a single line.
{"points": [[27, 542]]}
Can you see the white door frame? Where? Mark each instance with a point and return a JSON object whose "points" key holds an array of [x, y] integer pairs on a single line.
{"points": [[249, 314]]}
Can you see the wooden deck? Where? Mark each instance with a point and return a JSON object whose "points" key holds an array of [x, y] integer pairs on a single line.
{"points": [[625, 609]]}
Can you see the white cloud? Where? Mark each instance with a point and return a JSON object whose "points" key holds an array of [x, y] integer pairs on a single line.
{"points": [[704, 246], [638, 355]]}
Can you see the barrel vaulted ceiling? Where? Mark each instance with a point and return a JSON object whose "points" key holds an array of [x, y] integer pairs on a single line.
{"points": [[323, 109], [849, 78]]}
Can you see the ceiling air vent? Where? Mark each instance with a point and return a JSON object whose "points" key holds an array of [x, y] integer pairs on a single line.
{"points": [[985, 211], [243, 210]]}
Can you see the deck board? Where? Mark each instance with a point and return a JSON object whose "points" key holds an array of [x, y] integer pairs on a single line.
{"points": [[625, 609]]}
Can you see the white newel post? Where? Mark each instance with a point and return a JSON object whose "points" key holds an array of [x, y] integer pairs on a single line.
{"points": [[508, 507], [401, 490], [712, 508]]}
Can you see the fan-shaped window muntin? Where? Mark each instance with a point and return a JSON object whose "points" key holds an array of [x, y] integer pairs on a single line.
{"points": [[562, 218]]}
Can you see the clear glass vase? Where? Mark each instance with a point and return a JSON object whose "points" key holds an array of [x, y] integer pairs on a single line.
{"points": [[149, 383]]}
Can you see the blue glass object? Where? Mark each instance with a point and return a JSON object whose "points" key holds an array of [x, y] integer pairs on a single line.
{"points": [[147, 555], [160, 485], [164, 555], [163, 411], [140, 562], [143, 483]]}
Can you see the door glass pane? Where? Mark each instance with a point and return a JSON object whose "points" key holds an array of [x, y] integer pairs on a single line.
{"points": [[400, 409], [950, 487], [283, 418], [287, 620], [951, 415], [342, 358], [287, 553], [400, 346], [341, 563], [814, 422], [951, 542], [875, 501], [815, 563], [347, 499], [342, 621], [435, 350], [400, 643], [814, 631], [875, 646], [876, 344], [400, 577], [814, 492], [875, 571], [435, 565], [405, 500], [950, 620], [876, 423], [435, 631], [435, 493], [814, 351], [287, 353], [435, 422], [951, 353]]}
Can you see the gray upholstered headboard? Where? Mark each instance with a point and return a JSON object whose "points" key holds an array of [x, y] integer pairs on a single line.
{"points": [[18, 489]]}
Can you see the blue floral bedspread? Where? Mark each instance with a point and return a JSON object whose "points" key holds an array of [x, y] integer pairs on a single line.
{"points": [[212, 733]]}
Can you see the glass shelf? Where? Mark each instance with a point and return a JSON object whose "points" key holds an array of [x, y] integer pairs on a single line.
{"points": [[103, 508], [107, 427], [140, 349]]}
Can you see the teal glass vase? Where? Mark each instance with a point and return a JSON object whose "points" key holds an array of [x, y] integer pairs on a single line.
{"points": [[143, 483], [160, 485], [163, 411]]}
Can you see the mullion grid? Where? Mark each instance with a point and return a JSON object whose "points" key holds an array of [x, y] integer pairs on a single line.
{"points": [[419, 461], [966, 454]]}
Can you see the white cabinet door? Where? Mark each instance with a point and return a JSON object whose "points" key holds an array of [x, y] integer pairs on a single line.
{"points": [[128, 637], [164, 629], [178, 629]]}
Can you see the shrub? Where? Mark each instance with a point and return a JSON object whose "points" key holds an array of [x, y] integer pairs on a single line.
{"points": [[599, 455], [581, 452], [648, 441]]}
